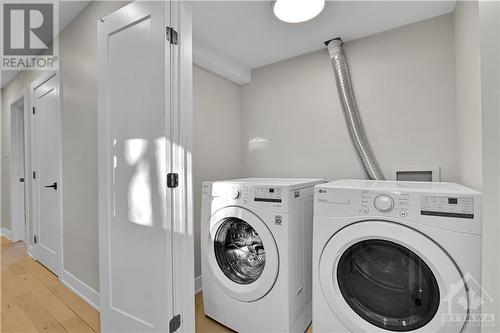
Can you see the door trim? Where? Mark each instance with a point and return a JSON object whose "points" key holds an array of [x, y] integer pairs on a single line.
{"points": [[21, 95], [35, 188], [183, 238]]}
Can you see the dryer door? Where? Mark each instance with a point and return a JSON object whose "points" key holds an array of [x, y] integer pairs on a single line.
{"points": [[242, 254], [380, 276]]}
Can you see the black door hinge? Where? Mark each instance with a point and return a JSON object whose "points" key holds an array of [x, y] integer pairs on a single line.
{"points": [[33, 110], [34, 174], [172, 180], [174, 323], [35, 240], [172, 36]]}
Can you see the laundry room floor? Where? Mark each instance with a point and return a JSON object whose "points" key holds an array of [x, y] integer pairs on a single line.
{"points": [[207, 325]]}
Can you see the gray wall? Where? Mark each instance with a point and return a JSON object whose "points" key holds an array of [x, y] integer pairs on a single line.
{"points": [[217, 138], [468, 92], [404, 82], [79, 104], [78, 54]]}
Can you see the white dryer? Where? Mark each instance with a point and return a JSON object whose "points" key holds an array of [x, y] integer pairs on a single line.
{"points": [[256, 247], [396, 256]]}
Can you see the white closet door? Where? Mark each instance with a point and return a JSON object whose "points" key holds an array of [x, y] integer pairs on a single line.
{"points": [[47, 152], [134, 160]]}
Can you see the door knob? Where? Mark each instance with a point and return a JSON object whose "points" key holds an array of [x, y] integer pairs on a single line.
{"points": [[54, 186]]}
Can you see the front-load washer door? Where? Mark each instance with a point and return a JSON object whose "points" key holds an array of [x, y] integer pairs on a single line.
{"points": [[380, 276], [242, 254]]}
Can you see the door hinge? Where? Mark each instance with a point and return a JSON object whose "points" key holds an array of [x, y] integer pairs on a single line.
{"points": [[34, 174], [172, 36], [35, 240], [174, 323], [172, 180], [33, 110]]}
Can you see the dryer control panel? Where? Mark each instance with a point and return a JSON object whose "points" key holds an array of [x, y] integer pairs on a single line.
{"points": [[437, 205]]}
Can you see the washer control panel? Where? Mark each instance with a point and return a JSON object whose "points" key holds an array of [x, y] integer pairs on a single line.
{"points": [[390, 203], [267, 194], [384, 203], [436, 205]]}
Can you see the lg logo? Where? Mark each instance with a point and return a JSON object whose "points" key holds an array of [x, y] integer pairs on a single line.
{"points": [[28, 29]]}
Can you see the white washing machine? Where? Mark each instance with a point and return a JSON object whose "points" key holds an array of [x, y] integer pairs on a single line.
{"points": [[396, 256], [256, 247]]}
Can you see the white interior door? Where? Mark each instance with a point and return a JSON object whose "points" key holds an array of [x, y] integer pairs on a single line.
{"points": [[18, 212], [47, 165], [134, 160]]}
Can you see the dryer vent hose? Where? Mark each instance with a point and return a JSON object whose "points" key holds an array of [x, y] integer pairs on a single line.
{"points": [[351, 114]]}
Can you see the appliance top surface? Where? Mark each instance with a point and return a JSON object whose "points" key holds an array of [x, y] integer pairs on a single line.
{"points": [[290, 182], [383, 185]]}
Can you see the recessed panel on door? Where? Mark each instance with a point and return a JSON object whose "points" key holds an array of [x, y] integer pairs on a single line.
{"points": [[135, 213]]}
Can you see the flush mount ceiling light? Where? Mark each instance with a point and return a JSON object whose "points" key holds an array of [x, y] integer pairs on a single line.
{"points": [[296, 11]]}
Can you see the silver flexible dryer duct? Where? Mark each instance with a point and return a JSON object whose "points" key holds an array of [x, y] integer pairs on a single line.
{"points": [[351, 114]]}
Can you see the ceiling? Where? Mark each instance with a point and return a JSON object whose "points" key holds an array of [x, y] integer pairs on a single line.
{"points": [[233, 37], [68, 10], [247, 35]]}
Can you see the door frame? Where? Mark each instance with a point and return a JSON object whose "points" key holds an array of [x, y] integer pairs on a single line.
{"points": [[35, 188], [183, 219], [14, 195]]}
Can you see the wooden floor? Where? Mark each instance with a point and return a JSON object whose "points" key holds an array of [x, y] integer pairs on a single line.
{"points": [[34, 300]]}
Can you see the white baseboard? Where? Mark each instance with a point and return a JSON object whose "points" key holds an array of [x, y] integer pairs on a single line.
{"points": [[6, 233], [197, 285], [29, 249], [91, 296], [85, 292]]}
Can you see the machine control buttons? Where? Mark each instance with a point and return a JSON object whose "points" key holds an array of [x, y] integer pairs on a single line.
{"points": [[236, 193], [364, 210], [403, 213], [384, 203]]}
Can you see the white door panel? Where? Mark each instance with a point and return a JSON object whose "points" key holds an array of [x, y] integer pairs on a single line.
{"points": [[48, 156], [134, 159]]}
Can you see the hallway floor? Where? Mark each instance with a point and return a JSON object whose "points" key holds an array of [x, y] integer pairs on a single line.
{"points": [[34, 300]]}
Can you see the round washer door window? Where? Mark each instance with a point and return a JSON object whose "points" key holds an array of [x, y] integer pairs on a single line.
{"points": [[239, 251], [242, 253], [388, 285]]}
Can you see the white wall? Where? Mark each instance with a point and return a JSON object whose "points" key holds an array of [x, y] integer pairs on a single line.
{"points": [[217, 138], [404, 82], [468, 93], [489, 22], [78, 54]]}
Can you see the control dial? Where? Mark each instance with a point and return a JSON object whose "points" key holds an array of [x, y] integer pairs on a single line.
{"points": [[236, 193], [384, 203]]}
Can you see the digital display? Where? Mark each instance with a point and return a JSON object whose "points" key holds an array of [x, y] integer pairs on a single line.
{"points": [[271, 190], [452, 201]]}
